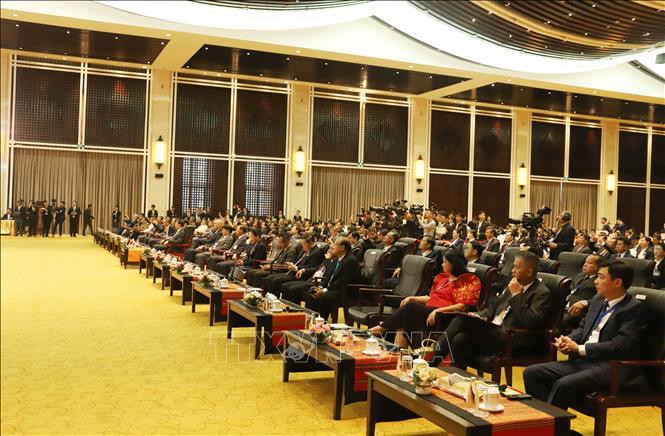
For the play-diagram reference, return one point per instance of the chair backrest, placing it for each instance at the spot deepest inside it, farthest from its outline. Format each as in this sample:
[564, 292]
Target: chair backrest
[548, 266]
[323, 246]
[490, 258]
[189, 234]
[441, 250]
[559, 286]
[412, 245]
[402, 250]
[297, 246]
[373, 268]
[571, 263]
[487, 275]
[415, 276]
[508, 261]
[654, 348]
[643, 269]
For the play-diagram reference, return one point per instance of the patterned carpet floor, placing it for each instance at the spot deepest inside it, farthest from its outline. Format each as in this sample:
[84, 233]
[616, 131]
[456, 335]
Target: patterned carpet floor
[91, 348]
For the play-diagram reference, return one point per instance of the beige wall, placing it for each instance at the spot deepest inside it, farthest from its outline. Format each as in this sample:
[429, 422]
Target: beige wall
[157, 189]
[297, 197]
[5, 77]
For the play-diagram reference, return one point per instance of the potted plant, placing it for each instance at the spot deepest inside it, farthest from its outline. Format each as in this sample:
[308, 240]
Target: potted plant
[180, 266]
[205, 279]
[320, 332]
[423, 378]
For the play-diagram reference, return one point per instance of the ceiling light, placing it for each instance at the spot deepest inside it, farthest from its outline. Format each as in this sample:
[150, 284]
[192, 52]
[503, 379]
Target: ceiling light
[570, 14]
[396, 72]
[68, 32]
[247, 53]
[297, 51]
[116, 37]
[295, 78]
[18, 25]
[586, 33]
[186, 66]
[261, 74]
[593, 5]
[549, 92]
[288, 58]
[632, 19]
[225, 71]
[510, 36]
[492, 84]
[430, 77]
[548, 22]
[205, 48]
[14, 15]
[410, 66]
[20, 48]
[473, 20]
[646, 34]
[325, 63]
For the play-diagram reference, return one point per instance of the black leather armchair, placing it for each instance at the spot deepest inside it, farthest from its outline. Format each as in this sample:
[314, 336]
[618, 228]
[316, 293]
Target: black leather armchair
[571, 263]
[643, 269]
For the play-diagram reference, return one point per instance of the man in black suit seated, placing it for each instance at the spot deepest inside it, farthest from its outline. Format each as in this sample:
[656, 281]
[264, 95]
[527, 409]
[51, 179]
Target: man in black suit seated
[658, 277]
[203, 243]
[392, 252]
[492, 244]
[298, 271]
[425, 249]
[582, 243]
[472, 252]
[222, 263]
[583, 290]
[205, 252]
[285, 253]
[256, 251]
[564, 237]
[613, 328]
[622, 249]
[177, 238]
[344, 269]
[525, 304]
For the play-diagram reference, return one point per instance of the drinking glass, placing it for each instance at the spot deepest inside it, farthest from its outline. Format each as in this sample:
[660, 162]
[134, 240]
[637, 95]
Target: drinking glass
[407, 367]
[481, 391]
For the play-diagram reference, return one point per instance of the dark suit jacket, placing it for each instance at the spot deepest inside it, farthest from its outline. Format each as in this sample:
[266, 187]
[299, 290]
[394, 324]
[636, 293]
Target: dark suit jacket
[649, 253]
[152, 213]
[622, 335]
[255, 253]
[179, 237]
[658, 279]
[436, 257]
[286, 255]
[564, 240]
[615, 256]
[392, 260]
[479, 228]
[583, 249]
[494, 245]
[458, 245]
[309, 263]
[347, 272]
[529, 310]
[582, 289]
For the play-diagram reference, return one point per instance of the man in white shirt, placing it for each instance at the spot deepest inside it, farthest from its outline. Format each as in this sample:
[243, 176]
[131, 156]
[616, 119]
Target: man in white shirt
[614, 328]
[428, 224]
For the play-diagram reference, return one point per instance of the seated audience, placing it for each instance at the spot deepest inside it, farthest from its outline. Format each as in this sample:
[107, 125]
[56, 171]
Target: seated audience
[343, 269]
[177, 238]
[658, 278]
[622, 249]
[583, 289]
[472, 251]
[582, 241]
[299, 270]
[613, 328]
[644, 249]
[283, 252]
[454, 289]
[525, 304]
[425, 249]
[492, 244]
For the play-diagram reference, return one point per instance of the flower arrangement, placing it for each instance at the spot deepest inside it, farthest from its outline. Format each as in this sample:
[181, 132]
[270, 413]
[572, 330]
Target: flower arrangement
[147, 252]
[423, 378]
[180, 266]
[159, 257]
[205, 279]
[321, 332]
[253, 298]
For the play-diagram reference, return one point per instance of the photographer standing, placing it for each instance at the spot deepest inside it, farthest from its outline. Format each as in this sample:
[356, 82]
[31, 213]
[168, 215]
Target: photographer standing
[428, 224]
[564, 237]
[410, 228]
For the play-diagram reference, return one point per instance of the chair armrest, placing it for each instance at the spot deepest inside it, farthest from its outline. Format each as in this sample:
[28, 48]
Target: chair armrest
[278, 267]
[375, 290]
[616, 364]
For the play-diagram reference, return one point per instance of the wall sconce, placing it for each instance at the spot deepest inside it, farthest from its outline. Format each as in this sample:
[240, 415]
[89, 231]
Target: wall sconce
[611, 182]
[159, 155]
[299, 164]
[521, 179]
[420, 169]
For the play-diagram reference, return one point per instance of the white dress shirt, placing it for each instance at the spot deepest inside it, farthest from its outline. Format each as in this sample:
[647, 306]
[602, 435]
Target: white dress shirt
[595, 334]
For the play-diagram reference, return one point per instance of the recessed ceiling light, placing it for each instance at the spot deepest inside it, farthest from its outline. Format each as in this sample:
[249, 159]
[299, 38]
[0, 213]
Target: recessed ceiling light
[430, 77]
[362, 68]
[14, 15]
[570, 14]
[581, 52]
[510, 36]
[548, 22]
[396, 72]
[549, 92]
[492, 84]
[108, 57]
[288, 58]
[20, 48]
[168, 34]
[261, 74]
[646, 34]
[116, 37]
[473, 20]
[247, 53]
[593, 5]
[325, 63]
[225, 71]
[68, 32]
[632, 19]
[410, 66]
[205, 48]
[18, 25]
[328, 82]
[297, 51]
[574, 96]
[586, 33]
[295, 78]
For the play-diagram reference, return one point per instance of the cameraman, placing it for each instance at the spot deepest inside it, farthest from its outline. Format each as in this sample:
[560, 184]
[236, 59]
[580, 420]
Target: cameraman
[565, 236]
[410, 226]
[428, 224]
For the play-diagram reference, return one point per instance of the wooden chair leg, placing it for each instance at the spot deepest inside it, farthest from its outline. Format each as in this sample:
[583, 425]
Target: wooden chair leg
[509, 375]
[600, 422]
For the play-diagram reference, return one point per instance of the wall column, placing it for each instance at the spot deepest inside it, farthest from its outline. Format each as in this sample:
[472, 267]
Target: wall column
[5, 104]
[609, 161]
[299, 188]
[521, 154]
[418, 145]
[157, 189]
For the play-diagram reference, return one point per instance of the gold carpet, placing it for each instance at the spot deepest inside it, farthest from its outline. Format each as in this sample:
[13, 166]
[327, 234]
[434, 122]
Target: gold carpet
[89, 348]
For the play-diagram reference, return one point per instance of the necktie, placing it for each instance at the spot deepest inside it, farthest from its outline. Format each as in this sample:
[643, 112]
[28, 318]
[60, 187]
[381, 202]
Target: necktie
[604, 311]
[333, 273]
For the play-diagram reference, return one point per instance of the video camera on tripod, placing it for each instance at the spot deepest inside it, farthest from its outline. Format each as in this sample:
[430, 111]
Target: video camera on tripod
[532, 223]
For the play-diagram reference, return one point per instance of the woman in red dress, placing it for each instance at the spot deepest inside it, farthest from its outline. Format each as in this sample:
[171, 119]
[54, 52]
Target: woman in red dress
[455, 289]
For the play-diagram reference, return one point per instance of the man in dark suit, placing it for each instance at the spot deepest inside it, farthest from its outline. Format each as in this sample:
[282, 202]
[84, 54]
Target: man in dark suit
[74, 213]
[152, 213]
[224, 243]
[525, 304]
[582, 241]
[620, 226]
[60, 213]
[223, 262]
[345, 269]
[19, 216]
[392, 253]
[205, 242]
[492, 244]
[47, 217]
[177, 238]
[604, 225]
[658, 277]
[287, 254]
[31, 218]
[256, 251]
[171, 212]
[582, 291]
[300, 270]
[613, 328]
[621, 249]
[481, 225]
[116, 219]
[87, 219]
[564, 237]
